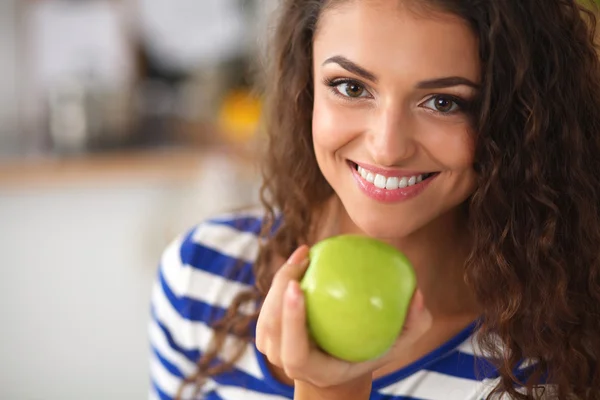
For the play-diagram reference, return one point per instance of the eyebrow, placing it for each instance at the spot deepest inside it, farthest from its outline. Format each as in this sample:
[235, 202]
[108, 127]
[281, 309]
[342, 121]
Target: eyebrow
[446, 82]
[437, 83]
[351, 66]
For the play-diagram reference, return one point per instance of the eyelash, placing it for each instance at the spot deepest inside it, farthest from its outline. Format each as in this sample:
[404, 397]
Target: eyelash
[333, 83]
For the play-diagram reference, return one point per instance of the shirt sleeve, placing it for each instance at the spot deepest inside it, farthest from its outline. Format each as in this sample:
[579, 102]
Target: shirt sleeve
[174, 338]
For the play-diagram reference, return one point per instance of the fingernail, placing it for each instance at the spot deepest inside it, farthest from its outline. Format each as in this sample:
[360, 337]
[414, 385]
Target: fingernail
[297, 256]
[293, 292]
[305, 264]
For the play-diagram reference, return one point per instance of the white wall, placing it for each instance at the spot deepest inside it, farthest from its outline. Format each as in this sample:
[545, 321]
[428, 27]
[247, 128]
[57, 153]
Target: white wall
[75, 280]
[77, 263]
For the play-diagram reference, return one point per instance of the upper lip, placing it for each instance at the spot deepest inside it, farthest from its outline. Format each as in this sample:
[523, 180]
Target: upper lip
[389, 172]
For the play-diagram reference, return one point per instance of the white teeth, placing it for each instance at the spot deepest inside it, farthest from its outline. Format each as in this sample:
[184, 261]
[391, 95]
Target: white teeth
[392, 183]
[380, 181]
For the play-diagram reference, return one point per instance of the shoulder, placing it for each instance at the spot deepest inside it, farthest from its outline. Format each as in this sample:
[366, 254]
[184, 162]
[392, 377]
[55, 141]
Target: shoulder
[213, 257]
[200, 273]
[217, 245]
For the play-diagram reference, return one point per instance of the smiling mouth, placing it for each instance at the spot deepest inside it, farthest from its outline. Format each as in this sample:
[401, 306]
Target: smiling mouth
[391, 182]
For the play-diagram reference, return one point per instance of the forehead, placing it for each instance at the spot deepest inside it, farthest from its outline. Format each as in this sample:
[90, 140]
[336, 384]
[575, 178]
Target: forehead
[386, 37]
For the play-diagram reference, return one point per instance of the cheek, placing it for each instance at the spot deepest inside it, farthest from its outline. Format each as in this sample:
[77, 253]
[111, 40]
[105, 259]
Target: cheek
[453, 147]
[458, 156]
[333, 126]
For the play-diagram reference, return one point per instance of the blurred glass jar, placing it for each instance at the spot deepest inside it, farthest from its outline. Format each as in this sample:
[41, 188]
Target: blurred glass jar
[239, 116]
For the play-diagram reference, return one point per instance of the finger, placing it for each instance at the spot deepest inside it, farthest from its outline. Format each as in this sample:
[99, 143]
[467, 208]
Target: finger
[270, 314]
[295, 345]
[261, 341]
[268, 326]
[298, 355]
[273, 353]
[294, 267]
[300, 358]
[271, 308]
[264, 347]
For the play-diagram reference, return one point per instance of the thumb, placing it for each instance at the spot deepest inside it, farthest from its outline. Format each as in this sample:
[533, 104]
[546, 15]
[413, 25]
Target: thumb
[418, 321]
[419, 318]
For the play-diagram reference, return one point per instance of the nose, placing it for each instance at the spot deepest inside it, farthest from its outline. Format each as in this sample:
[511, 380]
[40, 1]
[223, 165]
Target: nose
[391, 137]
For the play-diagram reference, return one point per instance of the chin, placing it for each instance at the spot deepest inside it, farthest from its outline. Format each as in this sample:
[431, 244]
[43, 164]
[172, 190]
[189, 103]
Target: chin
[385, 228]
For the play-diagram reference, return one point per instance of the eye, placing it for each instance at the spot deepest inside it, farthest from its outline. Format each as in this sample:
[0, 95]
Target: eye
[443, 104]
[351, 89]
[348, 88]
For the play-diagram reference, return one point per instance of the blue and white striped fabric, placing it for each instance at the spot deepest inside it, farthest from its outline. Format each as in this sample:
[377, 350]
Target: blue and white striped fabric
[200, 274]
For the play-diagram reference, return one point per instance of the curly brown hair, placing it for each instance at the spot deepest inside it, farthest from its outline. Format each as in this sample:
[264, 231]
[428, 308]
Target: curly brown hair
[535, 216]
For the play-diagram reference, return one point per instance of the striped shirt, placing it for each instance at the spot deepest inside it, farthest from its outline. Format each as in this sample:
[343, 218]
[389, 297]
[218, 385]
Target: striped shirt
[202, 271]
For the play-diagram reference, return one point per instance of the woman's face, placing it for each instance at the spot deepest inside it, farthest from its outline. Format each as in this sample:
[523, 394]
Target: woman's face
[390, 130]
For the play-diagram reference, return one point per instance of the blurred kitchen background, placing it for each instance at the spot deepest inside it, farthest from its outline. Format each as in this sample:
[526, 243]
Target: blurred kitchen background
[122, 124]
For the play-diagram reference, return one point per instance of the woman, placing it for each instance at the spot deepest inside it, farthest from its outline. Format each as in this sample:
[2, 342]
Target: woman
[464, 133]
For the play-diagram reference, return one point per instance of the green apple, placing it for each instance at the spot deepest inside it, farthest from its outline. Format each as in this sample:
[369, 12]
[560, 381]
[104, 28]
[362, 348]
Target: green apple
[357, 293]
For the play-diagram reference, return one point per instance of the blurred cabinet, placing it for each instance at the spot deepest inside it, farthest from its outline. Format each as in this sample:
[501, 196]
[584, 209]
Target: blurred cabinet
[9, 100]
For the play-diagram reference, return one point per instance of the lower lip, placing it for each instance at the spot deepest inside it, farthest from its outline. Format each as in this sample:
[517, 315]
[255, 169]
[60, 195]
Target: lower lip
[389, 196]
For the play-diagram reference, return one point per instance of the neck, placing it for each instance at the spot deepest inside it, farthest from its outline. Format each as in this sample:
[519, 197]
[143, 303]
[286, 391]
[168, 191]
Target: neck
[439, 252]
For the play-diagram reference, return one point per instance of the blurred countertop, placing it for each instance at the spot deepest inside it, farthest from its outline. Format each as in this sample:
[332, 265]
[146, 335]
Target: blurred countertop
[166, 164]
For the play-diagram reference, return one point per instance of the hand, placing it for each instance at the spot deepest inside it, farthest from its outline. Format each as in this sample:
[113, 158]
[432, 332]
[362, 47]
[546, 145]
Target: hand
[282, 336]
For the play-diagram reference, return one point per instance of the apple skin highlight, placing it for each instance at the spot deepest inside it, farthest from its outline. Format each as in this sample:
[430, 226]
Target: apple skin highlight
[357, 294]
